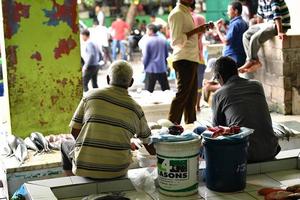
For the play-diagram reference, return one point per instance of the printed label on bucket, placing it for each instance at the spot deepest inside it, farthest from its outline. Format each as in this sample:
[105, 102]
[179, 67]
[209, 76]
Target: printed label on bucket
[176, 174]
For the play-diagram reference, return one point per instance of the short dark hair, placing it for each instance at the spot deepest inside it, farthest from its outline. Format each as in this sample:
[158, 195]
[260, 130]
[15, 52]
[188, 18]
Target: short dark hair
[119, 15]
[193, 5]
[226, 67]
[152, 27]
[237, 6]
[97, 3]
[85, 32]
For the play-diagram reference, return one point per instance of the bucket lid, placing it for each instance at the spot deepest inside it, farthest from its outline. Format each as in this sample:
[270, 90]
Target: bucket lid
[242, 135]
[191, 141]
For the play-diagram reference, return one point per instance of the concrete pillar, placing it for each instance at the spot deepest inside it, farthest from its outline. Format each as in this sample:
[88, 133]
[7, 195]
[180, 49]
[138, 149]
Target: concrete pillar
[280, 74]
[43, 64]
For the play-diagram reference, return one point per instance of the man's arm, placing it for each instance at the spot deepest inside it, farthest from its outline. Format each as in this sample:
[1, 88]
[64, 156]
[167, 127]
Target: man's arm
[77, 120]
[89, 55]
[150, 148]
[220, 34]
[277, 17]
[200, 29]
[146, 55]
[280, 32]
[219, 118]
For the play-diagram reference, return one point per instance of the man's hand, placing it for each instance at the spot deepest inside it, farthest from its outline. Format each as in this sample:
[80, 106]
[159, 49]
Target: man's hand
[205, 27]
[282, 36]
[84, 68]
[219, 24]
[200, 29]
[135, 144]
[259, 19]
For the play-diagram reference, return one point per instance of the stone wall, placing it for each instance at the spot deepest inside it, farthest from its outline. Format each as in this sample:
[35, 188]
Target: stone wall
[280, 74]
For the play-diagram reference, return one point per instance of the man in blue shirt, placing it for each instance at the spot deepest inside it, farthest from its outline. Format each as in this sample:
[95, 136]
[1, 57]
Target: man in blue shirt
[234, 37]
[155, 54]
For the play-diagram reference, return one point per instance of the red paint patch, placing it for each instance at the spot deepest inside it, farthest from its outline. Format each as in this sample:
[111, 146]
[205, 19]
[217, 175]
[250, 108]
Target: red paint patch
[54, 100]
[37, 56]
[43, 122]
[62, 82]
[12, 14]
[42, 103]
[64, 47]
[11, 55]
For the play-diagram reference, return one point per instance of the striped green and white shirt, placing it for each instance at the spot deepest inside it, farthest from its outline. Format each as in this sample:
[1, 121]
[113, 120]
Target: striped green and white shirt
[274, 9]
[108, 119]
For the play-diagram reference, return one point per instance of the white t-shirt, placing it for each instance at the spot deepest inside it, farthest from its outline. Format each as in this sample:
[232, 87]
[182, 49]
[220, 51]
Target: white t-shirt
[100, 36]
[100, 18]
[245, 14]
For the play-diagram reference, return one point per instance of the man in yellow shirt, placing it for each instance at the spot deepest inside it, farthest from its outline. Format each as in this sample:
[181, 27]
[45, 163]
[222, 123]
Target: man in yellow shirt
[103, 124]
[184, 41]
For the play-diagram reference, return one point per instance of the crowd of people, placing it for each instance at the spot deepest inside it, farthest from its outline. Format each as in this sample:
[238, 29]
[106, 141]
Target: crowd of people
[107, 118]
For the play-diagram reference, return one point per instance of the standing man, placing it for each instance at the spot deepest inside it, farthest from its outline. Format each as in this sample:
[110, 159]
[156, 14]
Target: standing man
[234, 36]
[100, 14]
[100, 36]
[154, 59]
[91, 57]
[242, 102]
[119, 29]
[184, 41]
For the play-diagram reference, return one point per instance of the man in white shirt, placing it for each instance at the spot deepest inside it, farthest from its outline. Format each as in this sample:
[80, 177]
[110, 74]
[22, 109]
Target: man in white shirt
[100, 36]
[184, 41]
[100, 14]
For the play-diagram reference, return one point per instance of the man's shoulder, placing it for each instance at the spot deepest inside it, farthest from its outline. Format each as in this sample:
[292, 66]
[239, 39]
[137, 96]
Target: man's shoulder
[176, 13]
[254, 82]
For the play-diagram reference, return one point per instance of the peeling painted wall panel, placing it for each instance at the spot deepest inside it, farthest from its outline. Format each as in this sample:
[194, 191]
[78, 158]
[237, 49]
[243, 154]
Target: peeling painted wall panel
[43, 64]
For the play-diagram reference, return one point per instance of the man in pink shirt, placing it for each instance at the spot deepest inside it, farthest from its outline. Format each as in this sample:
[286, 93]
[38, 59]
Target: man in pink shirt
[119, 29]
[199, 20]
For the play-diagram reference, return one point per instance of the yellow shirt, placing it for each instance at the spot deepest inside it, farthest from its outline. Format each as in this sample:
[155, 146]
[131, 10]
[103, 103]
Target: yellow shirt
[181, 22]
[108, 119]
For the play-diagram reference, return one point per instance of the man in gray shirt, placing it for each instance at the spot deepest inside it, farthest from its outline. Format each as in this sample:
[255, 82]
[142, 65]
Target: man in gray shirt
[242, 102]
[91, 57]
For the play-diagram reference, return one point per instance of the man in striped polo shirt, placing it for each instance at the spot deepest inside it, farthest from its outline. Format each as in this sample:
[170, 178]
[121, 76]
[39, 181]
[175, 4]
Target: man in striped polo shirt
[276, 18]
[103, 124]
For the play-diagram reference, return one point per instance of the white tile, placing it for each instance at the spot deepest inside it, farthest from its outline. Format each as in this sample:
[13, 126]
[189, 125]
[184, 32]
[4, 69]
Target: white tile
[256, 196]
[256, 182]
[53, 182]
[285, 175]
[115, 185]
[36, 192]
[286, 178]
[81, 180]
[292, 153]
[72, 191]
[137, 195]
[253, 168]
[237, 196]
[159, 196]
[205, 192]
[278, 165]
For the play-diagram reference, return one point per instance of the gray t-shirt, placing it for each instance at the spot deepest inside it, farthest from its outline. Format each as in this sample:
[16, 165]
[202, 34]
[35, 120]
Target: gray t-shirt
[242, 102]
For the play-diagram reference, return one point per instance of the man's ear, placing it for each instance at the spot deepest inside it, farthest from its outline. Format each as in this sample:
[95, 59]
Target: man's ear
[107, 79]
[131, 82]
